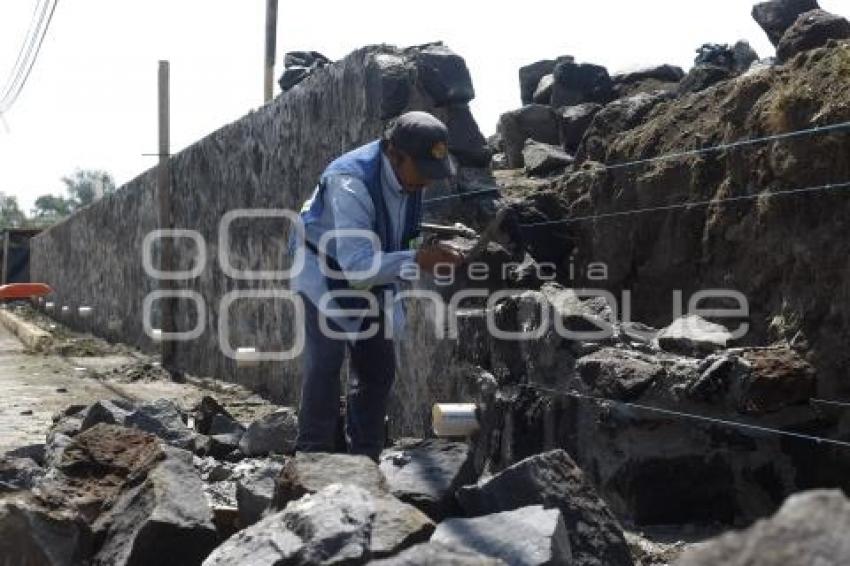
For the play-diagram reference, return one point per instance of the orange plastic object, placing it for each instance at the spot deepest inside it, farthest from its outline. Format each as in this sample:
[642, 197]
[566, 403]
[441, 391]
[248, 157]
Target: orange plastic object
[24, 290]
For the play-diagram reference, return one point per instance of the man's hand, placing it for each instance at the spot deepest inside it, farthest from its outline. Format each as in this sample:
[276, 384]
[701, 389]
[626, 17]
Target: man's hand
[428, 257]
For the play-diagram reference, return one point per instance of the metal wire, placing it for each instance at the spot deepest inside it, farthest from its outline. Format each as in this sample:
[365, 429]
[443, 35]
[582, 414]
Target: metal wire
[691, 416]
[829, 402]
[462, 195]
[818, 188]
[830, 128]
[732, 145]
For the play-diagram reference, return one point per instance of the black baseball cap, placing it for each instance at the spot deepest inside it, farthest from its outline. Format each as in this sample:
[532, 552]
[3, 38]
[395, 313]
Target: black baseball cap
[424, 138]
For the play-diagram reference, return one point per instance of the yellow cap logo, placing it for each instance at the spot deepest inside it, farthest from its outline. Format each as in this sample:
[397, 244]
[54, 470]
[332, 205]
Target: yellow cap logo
[439, 150]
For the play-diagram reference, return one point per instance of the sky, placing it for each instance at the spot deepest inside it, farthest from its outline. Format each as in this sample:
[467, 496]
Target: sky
[91, 101]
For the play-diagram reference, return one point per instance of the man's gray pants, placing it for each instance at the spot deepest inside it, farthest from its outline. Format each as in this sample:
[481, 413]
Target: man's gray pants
[371, 376]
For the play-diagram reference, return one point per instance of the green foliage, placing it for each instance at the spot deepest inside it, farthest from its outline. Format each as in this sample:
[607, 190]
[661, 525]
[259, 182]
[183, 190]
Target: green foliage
[82, 188]
[88, 185]
[51, 207]
[11, 215]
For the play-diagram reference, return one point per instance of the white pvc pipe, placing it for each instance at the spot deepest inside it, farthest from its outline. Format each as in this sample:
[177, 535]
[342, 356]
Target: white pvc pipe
[84, 312]
[454, 419]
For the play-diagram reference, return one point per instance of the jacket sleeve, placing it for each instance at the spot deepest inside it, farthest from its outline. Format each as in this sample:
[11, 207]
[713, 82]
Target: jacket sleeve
[353, 210]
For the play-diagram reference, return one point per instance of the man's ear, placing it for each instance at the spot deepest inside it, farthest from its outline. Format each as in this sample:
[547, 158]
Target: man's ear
[395, 155]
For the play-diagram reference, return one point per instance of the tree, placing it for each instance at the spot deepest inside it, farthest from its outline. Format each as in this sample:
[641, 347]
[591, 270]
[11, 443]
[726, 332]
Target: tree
[11, 215]
[51, 207]
[82, 188]
[87, 185]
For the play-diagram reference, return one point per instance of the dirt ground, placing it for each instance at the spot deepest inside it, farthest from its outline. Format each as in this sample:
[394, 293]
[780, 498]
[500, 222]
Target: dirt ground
[81, 369]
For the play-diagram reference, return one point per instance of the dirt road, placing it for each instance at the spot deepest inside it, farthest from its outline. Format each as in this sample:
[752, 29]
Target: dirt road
[34, 386]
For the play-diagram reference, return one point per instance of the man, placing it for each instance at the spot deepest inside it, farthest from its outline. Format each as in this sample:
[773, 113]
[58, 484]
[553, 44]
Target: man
[375, 189]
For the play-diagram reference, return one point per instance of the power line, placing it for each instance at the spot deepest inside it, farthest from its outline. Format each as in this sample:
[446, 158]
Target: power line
[11, 96]
[23, 82]
[26, 45]
[690, 204]
[691, 416]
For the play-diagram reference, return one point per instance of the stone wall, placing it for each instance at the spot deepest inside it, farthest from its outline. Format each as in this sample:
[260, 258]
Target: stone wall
[269, 159]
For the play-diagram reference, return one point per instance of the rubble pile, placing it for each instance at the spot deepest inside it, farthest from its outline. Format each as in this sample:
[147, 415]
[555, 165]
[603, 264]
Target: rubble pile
[120, 483]
[562, 97]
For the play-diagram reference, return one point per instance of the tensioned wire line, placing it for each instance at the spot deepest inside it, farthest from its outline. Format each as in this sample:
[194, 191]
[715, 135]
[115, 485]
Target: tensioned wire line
[690, 204]
[830, 128]
[731, 145]
[691, 416]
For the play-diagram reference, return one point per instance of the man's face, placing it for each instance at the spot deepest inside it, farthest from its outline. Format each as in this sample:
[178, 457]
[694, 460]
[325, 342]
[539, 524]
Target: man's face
[406, 172]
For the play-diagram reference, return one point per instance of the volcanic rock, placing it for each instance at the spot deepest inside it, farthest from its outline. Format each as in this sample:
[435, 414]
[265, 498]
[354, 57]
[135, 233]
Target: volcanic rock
[530, 76]
[811, 30]
[692, 335]
[310, 472]
[255, 490]
[35, 536]
[615, 119]
[443, 75]
[618, 374]
[439, 554]
[466, 143]
[304, 59]
[579, 83]
[776, 379]
[332, 526]
[18, 474]
[534, 121]
[426, 473]
[776, 16]
[396, 526]
[273, 433]
[107, 412]
[212, 418]
[541, 158]
[35, 452]
[743, 56]
[528, 535]
[164, 520]
[573, 122]
[299, 65]
[543, 92]
[810, 528]
[553, 480]
[96, 467]
[164, 419]
[661, 73]
[702, 77]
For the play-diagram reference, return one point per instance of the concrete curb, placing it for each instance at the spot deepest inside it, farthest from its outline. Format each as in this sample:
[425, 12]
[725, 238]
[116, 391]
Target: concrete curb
[30, 335]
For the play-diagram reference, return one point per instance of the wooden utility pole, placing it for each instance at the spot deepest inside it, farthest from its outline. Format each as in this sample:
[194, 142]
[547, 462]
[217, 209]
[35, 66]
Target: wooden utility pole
[271, 48]
[163, 191]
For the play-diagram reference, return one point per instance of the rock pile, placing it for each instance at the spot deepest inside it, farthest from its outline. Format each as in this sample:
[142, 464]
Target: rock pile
[125, 490]
[561, 97]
